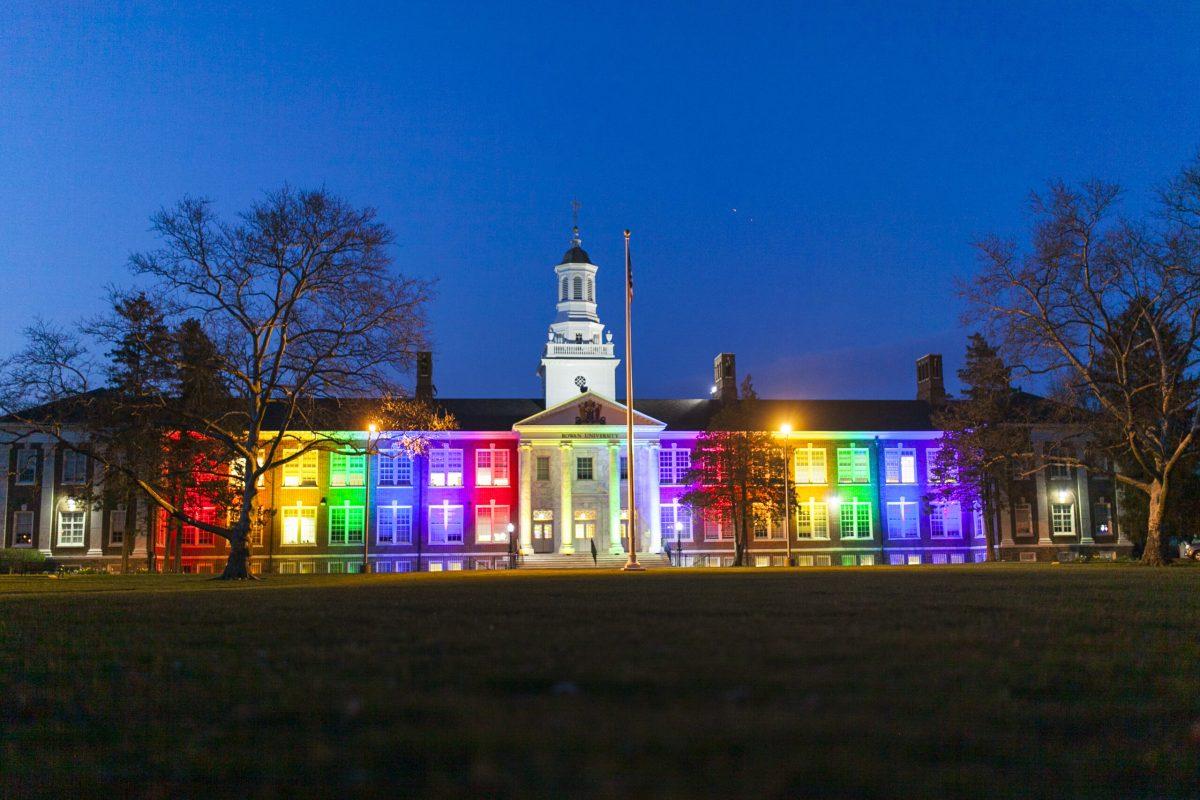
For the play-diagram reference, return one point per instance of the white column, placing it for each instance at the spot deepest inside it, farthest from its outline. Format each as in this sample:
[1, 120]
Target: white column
[566, 489]
[46, 523]
[524, 457]
[614, 499]
[5, 453]
[655, 500]
[1043, 498]
[135, 526]
[95, 533]
[1083, 501]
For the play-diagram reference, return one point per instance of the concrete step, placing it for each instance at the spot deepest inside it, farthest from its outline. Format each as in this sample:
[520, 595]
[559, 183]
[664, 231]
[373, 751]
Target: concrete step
[584, 561]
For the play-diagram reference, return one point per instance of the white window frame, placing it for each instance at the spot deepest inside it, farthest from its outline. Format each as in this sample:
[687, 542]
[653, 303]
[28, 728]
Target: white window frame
[393, 524]
[717, 528]
[196, 537]
[443, 528]
[945, 520]
[343, 517]
[674, 463]
[539, 474]
[347, 470]
[669, 514]
[394, 468]
[305, 532]
[491, 523]
[77, 527]
[491, 466]
[812, 519]
[931, 460]
[858, 463]
[78, 464]
[19, 516]
[1057, 516]
[300, 473]
[1023, 512]
[445, 467]
[27, 459]
[591, 468]
[811, 465]
[908, 516]
[900, 465]
[854, 504]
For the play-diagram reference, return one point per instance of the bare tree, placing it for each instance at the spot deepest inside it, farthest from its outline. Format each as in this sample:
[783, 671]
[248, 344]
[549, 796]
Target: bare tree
[1109, 308]
[301, 305]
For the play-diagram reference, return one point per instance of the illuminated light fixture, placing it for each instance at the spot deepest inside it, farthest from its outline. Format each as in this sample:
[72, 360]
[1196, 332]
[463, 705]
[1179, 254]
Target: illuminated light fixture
[510, 526]
[324, 501]
[1063, 496]
[712, 389]
[833, 501]
[372, 427]
[786, 429]
[70, 504]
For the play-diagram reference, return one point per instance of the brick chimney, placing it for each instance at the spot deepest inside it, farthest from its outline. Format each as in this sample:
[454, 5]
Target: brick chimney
[725, 378]
[425, 388]
[930, 386]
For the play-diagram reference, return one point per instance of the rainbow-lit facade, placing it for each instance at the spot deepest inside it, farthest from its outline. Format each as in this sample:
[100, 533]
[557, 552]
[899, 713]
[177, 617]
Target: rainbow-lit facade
[543, 482]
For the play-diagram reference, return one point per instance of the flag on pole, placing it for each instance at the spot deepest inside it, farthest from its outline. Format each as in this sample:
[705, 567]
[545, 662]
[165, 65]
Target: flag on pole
[628, 269]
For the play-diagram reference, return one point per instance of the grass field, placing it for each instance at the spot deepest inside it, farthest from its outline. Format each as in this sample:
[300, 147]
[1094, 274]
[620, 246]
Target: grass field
[983, 681]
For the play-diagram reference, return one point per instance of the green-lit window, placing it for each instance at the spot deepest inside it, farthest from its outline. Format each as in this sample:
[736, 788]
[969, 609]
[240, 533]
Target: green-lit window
[345, 524]
[347, 469]
[855, 519]
[854, 465]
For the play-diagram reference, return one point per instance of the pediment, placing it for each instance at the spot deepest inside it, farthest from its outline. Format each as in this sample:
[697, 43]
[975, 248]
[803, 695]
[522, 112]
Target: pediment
[589, 410]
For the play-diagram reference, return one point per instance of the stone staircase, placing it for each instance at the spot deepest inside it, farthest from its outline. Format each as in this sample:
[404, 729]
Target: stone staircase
[584, 561]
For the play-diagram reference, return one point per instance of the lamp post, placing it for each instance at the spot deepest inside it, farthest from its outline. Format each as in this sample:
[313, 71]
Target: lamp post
[371, 429]
[678, 535]
[786, 431]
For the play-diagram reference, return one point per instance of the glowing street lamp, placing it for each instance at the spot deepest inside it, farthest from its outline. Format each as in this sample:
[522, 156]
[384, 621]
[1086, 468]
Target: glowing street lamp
[678, 537]
[512, 546]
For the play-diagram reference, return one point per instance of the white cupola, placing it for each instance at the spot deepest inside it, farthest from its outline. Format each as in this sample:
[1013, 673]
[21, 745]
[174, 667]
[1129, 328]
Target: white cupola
[578, 356]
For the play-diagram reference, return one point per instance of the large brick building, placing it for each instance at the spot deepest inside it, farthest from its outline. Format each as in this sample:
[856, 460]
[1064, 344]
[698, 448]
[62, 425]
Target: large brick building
[538, 481]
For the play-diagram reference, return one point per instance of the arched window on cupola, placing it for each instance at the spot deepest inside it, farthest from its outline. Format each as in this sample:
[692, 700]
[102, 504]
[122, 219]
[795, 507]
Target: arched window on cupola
[563, 293]
[577, 286]
[591, 292]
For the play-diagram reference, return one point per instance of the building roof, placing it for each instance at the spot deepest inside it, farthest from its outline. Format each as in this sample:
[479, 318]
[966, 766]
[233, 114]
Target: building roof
[576, 255]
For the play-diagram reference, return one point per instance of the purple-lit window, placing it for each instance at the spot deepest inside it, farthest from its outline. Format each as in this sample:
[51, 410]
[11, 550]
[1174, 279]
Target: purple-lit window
[902, 519]
[945, 520]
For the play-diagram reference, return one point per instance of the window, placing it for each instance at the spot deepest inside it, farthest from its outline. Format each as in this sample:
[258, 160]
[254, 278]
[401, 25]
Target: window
[1062, 519]
[902, 520]
[759, 527]
[491, 524]
[977, 519]
[717, 527]
[562, 295]
[70, 529]
[393, 525]
[74, 467]
[1102, 517]
[584, 468]
[673, 465]
[23, 529]
[854, 465]
[577, 288]
[346, 524]
[624, 460]
[1023, 519]
[299, 525]
[491, 467]
[395, 470]
[945, 520]
[116, 526]
[669, 514]
[542, 468]
[810, 465]
[445, 467]
[1057, 471]
[812, 519]
[854, 518]
[197, 536]
[335, 567]
[900, 465]
[591, 294]
[300, 471]
[27, 465]
[347, 469]
[445, 524]
[938, 470]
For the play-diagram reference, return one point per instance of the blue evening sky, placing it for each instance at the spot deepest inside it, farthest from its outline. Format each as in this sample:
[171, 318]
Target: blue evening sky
[804, 181]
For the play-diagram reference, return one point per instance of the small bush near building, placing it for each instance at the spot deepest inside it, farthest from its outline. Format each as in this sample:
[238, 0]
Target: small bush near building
[19, 561]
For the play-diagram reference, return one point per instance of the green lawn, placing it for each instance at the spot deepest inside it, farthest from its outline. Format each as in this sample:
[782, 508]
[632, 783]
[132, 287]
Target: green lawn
[984, 681]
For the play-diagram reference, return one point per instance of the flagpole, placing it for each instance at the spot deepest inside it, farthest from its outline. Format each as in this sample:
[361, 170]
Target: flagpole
[631, 564]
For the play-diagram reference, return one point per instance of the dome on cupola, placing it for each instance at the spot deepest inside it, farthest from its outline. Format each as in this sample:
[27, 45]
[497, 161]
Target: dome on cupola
[576, 255]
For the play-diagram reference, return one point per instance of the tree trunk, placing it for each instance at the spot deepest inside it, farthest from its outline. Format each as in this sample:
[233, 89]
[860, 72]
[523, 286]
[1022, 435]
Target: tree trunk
[151, 536]
[1153, 552]
[991, 497]
[237, 566]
